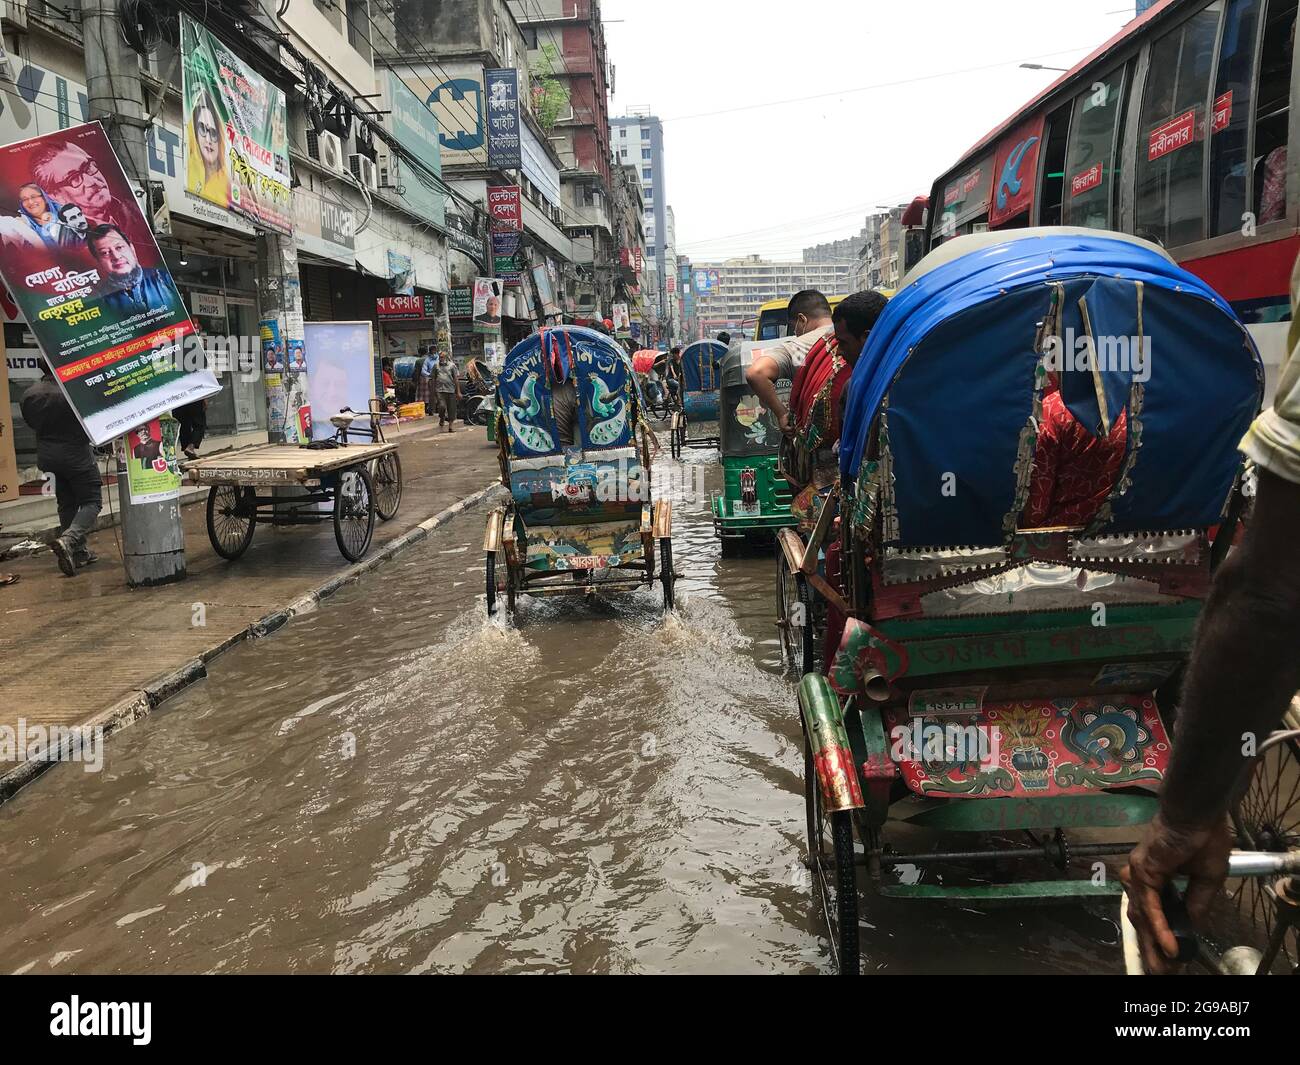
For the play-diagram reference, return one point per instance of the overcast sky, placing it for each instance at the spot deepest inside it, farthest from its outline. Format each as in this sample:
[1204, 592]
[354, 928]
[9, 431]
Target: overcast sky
[735, 181]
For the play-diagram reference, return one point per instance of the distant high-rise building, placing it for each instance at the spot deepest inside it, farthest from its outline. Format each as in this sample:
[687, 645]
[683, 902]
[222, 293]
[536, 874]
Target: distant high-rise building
[637, 139]
[727, 293]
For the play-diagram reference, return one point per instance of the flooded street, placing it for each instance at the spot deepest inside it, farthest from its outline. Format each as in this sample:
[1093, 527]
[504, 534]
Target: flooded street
[394, 783]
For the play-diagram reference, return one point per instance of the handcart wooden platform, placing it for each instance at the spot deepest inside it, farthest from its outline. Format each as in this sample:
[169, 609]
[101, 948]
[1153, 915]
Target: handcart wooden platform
[358, 481]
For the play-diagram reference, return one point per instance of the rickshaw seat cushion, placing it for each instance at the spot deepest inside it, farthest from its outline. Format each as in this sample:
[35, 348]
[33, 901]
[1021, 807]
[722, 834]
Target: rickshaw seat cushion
[579, 487]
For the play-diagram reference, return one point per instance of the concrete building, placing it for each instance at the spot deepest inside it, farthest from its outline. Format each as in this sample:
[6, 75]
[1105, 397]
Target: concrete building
[745, 284]
[568, 63]
[637, 139]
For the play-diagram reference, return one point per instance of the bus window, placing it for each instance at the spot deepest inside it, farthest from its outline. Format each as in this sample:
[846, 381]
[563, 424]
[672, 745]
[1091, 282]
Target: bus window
[1054, 136]
[1230, 169]
[1090, 157]
[1273, 111]
[1170, 157]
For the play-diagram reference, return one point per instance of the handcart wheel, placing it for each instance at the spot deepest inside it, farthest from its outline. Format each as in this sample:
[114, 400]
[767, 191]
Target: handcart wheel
[666, 575]
[490, 575]
[830, 854]
[232, 517]
[794, 610]
[388, 485]
[354, 512]
[1265, 818]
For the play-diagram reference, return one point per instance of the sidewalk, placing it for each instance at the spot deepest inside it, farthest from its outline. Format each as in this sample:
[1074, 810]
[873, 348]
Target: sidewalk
[89, 650]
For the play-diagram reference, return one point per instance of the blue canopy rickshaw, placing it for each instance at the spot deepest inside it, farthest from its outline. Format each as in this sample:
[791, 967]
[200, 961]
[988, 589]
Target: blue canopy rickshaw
[580, 512]
[696, 424]
[1061, 646]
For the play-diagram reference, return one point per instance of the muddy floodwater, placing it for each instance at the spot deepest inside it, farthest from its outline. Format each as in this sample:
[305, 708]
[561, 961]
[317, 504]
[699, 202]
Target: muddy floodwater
[394, 783]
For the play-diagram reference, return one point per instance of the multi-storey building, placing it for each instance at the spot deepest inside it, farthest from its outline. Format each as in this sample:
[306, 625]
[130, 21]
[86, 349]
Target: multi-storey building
[637, 139]
[744, 284]
[568, 63]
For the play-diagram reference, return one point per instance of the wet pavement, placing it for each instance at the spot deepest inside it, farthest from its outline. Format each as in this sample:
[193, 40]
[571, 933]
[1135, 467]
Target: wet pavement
[395, 783]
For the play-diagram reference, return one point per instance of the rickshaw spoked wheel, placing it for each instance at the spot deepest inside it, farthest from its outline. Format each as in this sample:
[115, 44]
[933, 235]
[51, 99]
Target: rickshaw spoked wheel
[833, 868]
[794, 608]
[1267, 818]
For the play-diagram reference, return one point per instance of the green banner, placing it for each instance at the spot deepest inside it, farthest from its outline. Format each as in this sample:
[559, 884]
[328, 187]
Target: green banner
[236, 152]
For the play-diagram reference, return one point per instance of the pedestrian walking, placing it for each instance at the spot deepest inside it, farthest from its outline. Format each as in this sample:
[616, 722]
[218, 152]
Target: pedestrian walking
[193, 418]
[448, 382]
[424, 377]
[63, 450]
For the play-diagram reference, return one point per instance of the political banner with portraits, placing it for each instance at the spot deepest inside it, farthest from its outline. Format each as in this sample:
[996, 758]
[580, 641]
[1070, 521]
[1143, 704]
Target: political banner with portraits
[81, 262]
[236, 145]
[487, 304]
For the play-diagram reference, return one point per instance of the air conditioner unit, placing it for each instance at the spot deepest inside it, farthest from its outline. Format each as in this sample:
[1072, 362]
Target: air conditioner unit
[390, 171]
[331, 152]
[364, 170]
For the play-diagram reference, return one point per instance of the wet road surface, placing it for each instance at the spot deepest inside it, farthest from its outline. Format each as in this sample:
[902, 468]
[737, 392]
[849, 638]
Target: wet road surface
[394, 783]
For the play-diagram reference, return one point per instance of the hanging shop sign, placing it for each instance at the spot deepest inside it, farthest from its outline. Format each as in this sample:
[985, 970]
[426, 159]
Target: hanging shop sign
[86, 273]
[460, 302]
[409, 308]
[462, 236]
[504, 207]
[503, 126]
[505, 255]
[236, 147]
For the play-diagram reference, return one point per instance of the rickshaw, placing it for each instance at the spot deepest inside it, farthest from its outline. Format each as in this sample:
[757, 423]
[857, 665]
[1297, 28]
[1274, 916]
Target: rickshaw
[755, 497]
[695, 423]
[986, 678]
[644, 362]
[581, 517]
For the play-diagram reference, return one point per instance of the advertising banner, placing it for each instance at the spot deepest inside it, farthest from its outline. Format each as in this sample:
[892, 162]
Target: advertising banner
[503, 134]
[545, 290]
[416, 129]
[487, 304]
[82, 265]
[153, 473]
[401, 272]
[236, 149]
[342, 371]
[1016, 167]
[504, 208]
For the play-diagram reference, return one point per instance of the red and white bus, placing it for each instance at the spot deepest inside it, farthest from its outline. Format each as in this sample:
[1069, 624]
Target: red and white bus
[1181, 129]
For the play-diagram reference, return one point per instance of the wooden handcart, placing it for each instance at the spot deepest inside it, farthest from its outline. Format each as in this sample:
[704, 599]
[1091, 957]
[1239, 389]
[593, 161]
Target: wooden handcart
[358, 481]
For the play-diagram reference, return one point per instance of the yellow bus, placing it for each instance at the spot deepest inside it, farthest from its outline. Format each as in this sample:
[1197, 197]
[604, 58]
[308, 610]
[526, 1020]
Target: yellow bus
[772, 320]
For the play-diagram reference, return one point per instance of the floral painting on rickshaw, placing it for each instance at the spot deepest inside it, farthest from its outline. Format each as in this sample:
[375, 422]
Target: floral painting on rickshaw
[1034, 748]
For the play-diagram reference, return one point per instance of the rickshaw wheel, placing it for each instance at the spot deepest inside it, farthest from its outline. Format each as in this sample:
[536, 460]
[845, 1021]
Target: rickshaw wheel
[229, 528]
[1267, 818]
[490, 574]
[797, 639]
[388, 485]
[354, 512]
[834, 873]
[666, 575]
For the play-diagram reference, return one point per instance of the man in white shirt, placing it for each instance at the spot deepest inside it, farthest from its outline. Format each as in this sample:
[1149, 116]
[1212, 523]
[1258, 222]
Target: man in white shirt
[809, 317]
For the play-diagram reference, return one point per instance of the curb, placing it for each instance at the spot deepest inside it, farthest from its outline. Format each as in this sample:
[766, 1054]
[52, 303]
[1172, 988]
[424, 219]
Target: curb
[155, 691]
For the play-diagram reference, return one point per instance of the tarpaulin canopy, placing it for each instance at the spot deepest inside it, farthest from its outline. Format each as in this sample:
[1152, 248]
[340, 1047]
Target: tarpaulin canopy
[702, 365]
[643, 361]
[952, 364]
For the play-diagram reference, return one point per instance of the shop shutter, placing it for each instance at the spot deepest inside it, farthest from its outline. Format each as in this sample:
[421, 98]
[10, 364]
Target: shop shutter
[317, 301]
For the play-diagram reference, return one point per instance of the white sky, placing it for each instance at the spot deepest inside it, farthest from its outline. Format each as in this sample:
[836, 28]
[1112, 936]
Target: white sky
[736, 182]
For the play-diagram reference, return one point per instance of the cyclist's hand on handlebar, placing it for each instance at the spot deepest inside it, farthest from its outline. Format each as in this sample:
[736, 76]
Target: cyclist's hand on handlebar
[1164, 851]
